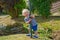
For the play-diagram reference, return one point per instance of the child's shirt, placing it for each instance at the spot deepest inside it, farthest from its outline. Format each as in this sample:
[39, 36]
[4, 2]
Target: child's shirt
[33, 21]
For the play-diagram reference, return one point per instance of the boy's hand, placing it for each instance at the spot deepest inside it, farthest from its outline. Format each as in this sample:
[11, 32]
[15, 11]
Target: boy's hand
[32, 16]
[29, 21]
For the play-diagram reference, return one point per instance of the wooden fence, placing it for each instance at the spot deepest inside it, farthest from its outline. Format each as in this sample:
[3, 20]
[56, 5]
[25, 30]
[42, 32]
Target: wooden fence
[55, 6]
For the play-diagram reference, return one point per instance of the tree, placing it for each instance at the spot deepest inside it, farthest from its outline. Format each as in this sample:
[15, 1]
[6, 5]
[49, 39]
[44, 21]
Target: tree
[10, 7]
[42, 6]
[19, 6]
[14, 7]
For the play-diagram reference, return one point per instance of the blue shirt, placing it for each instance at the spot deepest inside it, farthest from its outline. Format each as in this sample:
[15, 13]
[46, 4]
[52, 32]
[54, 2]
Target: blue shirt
[33, 21]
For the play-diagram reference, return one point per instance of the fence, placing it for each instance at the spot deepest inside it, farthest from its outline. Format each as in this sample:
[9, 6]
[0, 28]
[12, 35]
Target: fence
[55, 7]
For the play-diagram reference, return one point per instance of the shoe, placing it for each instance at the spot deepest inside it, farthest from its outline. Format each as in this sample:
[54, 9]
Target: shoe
[28, 35]
[35, 36]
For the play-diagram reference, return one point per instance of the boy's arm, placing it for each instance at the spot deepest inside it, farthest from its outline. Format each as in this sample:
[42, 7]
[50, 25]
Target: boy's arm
[28, 21]
[32, 16]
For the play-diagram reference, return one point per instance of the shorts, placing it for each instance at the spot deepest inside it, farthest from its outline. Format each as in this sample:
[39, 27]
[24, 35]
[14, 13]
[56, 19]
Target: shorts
[34, 28]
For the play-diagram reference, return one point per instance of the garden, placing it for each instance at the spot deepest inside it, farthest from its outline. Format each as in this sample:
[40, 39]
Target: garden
[13, 27]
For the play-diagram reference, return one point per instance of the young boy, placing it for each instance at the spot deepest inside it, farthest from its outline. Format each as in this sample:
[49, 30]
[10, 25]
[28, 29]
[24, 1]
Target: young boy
[29, 20]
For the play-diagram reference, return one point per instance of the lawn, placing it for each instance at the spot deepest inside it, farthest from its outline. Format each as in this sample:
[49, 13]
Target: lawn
[16, 37]
[21, 37]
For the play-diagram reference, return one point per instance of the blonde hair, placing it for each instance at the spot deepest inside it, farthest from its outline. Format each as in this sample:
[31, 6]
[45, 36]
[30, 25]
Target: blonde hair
[25, 10]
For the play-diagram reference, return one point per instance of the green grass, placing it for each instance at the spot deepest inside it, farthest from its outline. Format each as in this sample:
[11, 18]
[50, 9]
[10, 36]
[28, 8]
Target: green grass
[21, 37]
[53, 24]
[12, 37]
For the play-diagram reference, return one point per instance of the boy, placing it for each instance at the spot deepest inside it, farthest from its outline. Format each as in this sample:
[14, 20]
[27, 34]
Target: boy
[29, 20]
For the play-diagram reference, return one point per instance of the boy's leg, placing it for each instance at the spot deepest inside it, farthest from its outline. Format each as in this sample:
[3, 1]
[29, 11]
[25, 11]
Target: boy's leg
[29, 31]
[36, 34]
[35, 31]
[29, 34]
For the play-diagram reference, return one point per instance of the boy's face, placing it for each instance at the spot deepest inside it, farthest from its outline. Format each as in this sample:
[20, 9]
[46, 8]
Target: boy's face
[25, 14]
